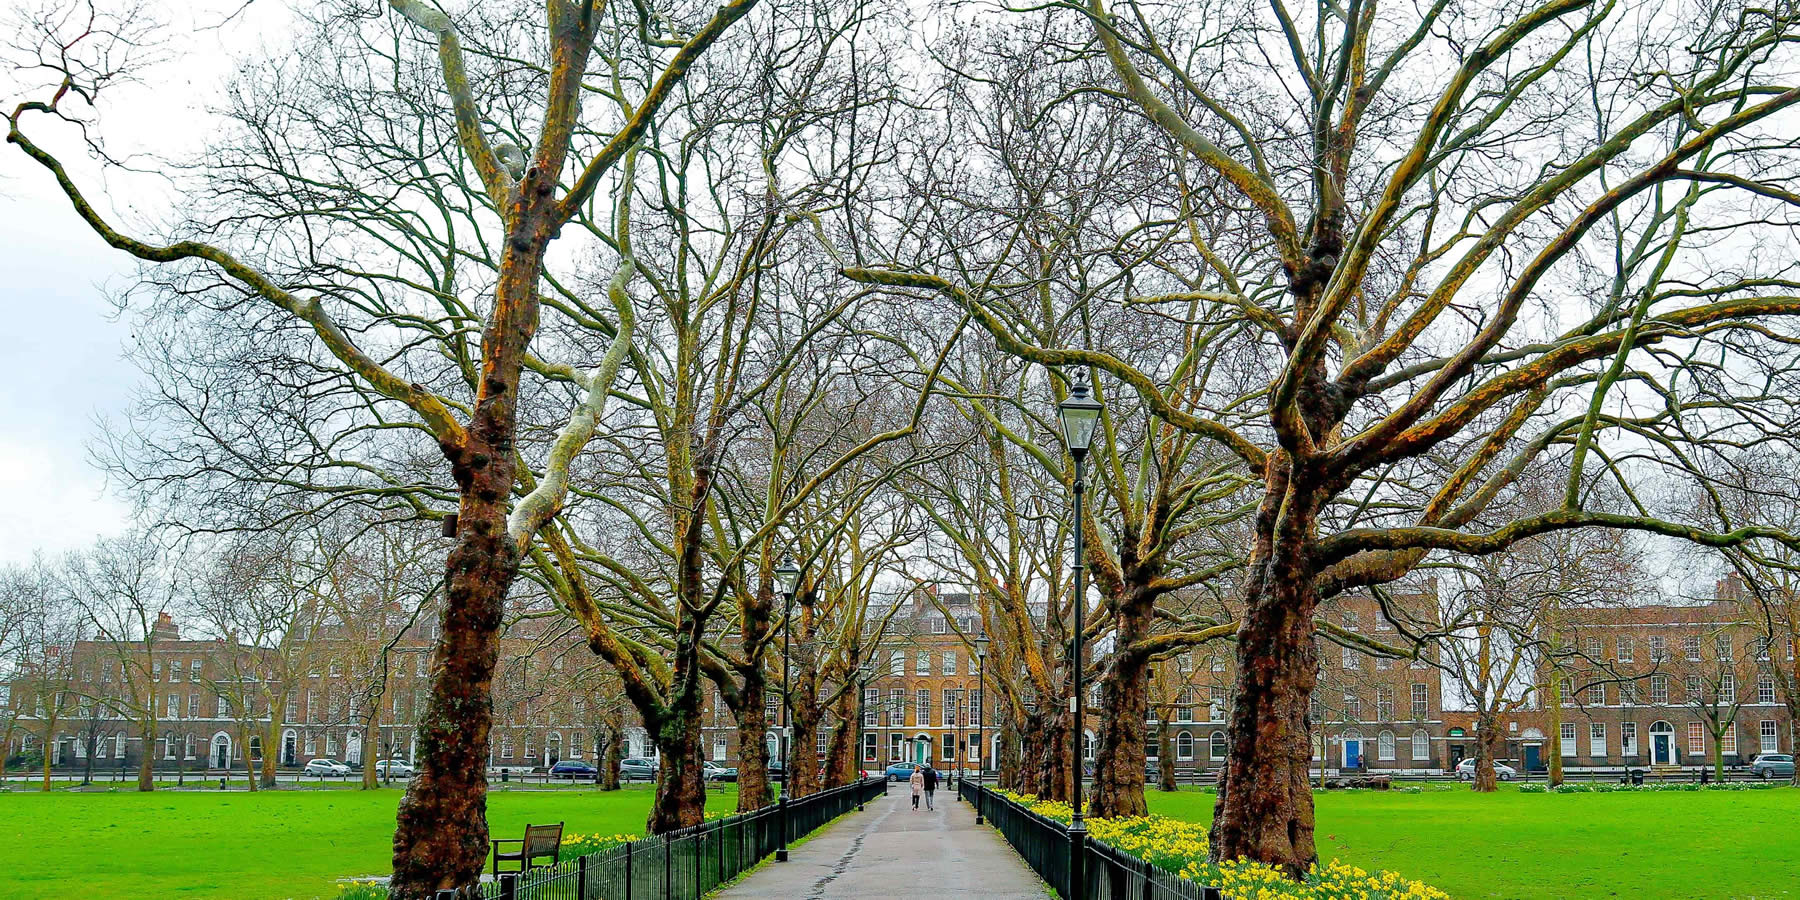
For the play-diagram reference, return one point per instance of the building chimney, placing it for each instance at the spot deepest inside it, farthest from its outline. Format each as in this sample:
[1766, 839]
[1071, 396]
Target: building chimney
[1731, 587]
[165, 628]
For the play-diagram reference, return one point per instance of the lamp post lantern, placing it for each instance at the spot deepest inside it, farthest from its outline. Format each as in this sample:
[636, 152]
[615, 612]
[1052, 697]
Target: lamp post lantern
[980, 712]
[788, 576]
[1080, 412]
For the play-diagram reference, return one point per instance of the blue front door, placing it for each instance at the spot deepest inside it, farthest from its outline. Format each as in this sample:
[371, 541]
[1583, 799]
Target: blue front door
[1532, 760]
[1353, 754]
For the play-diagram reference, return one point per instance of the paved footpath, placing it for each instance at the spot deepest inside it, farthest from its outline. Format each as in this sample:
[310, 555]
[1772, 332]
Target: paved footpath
[889, 850]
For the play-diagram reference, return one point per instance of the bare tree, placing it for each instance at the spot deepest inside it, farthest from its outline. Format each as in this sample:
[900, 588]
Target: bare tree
[1757, 485]
[527, 185]
[1408, 325]
[45, 628]
[127, 590]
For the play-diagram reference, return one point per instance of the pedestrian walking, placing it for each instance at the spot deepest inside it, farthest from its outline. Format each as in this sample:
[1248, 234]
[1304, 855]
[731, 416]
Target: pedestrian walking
[931, 780]
[918, 785]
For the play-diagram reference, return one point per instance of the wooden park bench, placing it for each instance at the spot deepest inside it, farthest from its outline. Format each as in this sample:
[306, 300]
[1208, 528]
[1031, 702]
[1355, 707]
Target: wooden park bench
[539, 841]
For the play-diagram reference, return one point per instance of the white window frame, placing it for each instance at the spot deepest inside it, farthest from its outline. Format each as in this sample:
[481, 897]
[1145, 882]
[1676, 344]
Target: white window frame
[1627, 649]
[1765, 689]
[1384, 744]
[1566, 740]
[1597, 739]
[1769, 736]
[1421, 745]
[1628, 745]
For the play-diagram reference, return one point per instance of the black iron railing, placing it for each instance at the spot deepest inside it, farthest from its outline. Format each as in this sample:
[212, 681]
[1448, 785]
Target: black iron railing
[1111, 874]
[685, 864]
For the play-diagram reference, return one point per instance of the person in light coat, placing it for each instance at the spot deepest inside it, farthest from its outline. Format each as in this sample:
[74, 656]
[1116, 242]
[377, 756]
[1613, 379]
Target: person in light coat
[918, 786]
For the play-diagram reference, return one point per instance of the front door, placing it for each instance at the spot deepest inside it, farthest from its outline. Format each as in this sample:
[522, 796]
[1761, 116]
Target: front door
[921, 751]
[1662, 749]
[221, 753]
[1352, 754]
[1533, 757]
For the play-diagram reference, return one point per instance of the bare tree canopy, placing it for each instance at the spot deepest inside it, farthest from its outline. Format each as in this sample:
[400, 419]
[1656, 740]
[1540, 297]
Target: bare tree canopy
[644, 297]
[1414, 252]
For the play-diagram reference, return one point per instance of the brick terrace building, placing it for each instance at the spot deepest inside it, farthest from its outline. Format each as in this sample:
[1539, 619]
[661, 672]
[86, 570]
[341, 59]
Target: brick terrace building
[1637, 681]
[922, 704]
[541, 715]
[1371, 713]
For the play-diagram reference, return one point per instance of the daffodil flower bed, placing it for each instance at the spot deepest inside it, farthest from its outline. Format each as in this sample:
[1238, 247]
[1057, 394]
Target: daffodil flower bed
[582, 844]
[1180, 847]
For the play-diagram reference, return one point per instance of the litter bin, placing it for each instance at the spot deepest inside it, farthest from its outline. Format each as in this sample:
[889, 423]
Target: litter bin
[1637, 777]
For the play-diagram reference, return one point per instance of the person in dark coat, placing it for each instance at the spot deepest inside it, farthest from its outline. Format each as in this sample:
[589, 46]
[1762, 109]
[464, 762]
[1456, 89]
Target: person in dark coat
[931, 780]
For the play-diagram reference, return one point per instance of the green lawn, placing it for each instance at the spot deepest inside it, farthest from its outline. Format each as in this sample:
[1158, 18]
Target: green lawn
[269, 845]
[296, 844]
[1711, 844]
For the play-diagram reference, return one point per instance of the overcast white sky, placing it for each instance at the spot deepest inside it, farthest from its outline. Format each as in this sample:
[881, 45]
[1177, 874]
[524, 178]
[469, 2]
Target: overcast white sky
[61, 360]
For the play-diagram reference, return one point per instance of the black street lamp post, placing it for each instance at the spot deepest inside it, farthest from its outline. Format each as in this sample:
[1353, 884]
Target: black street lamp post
[1080, 412]
[865, 673]
[788, 576]
[979, 709]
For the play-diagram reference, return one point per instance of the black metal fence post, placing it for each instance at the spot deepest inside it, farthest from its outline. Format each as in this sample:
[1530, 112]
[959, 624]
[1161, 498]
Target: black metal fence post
[628, 869]
[1077, 864]
[781, 853]
[581, 878]
[509, 886]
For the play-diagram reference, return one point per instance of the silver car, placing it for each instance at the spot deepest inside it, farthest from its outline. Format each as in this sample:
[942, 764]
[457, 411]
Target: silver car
[324, 766]
[1770, 766]
[393, 768]
[1465, 770]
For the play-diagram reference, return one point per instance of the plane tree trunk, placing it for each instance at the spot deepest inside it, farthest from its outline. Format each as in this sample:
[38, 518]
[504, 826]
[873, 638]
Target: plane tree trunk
[1124, 695]
[1265, 812]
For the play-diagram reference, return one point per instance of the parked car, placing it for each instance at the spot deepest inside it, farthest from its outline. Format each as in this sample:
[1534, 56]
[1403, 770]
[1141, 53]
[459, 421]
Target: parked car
[573, 768]
[716, 772]
[901, 771]
[393, 768]
[1465, 770]
[325, 767]
[1773, 765]
[510, 769]
[635, 767]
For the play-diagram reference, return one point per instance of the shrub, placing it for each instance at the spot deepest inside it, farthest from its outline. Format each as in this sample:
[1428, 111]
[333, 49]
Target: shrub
[1181, 847]
[1606, 787]
[363, 890]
